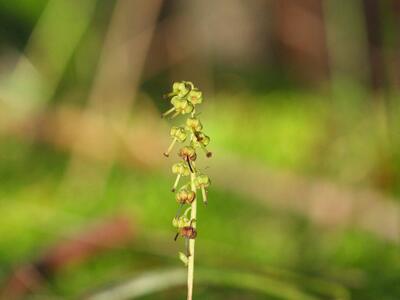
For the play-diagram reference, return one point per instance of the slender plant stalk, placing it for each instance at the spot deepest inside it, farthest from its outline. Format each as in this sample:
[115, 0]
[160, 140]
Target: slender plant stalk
[184, 99]
[193, 215]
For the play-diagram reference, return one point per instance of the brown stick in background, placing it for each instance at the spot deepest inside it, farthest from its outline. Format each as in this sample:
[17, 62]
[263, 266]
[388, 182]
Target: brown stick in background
[105, 235]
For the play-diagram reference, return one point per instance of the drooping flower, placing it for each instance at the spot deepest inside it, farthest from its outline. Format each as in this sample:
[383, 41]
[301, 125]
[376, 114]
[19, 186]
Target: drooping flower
[180, 169]
[202, 182]
[178, 134]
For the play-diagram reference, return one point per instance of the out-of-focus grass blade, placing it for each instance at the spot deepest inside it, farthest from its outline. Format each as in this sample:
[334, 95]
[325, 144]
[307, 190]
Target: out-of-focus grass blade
[51, 44]
[159, 280]
[144, 284]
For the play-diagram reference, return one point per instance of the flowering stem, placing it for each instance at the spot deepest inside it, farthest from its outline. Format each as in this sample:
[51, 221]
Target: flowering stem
[193, 212]
[184, 99]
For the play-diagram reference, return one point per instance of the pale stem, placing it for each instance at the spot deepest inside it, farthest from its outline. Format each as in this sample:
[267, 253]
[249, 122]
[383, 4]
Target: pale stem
[187, 210]
[204, 193]
[179, 210]
[166, 153]
[168, 112]
[193, 212]
[208, 153]
[169, 95]
[176, 182]
[175, 114]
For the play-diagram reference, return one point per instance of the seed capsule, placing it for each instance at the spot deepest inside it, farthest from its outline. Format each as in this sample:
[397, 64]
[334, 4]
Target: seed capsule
[188, 232]
[187, 152]
[185, 196]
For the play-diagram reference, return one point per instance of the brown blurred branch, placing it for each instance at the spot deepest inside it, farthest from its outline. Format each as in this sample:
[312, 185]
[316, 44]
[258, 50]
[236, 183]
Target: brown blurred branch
[100, 237]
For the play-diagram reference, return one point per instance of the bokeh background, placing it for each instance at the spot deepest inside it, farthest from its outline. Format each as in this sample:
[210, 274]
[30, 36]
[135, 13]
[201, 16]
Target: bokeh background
[302, 103]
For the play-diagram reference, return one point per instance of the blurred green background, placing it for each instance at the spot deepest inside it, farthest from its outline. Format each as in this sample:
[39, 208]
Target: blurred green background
[302, 103]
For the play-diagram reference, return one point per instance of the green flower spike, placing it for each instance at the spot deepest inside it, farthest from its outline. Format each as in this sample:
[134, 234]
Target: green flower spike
[202, 182]
[178, 134]
[185, 98]
[180, 169]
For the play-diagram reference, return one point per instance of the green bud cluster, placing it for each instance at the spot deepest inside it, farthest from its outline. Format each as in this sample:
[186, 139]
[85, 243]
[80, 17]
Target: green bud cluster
[184, 98]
